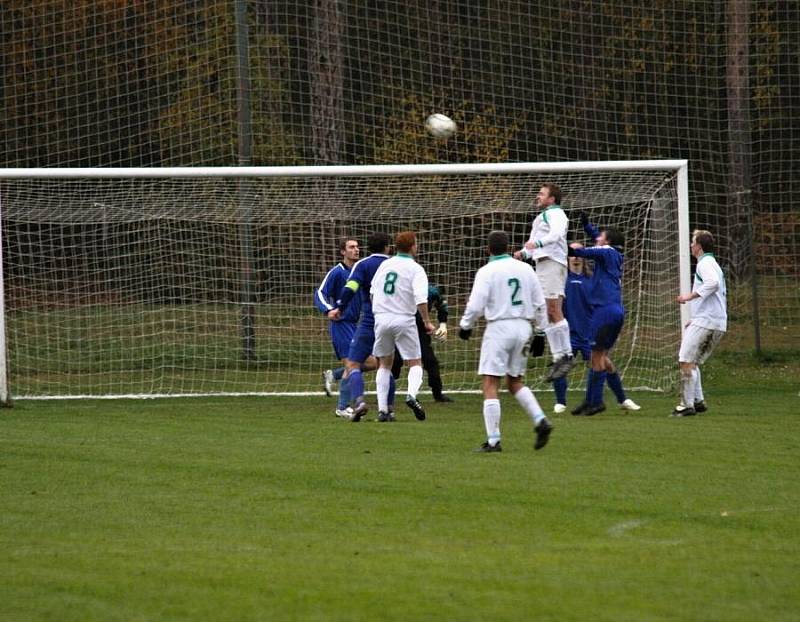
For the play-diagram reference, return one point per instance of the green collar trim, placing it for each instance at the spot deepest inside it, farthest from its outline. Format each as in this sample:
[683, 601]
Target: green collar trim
[496, 257]
[406, 255]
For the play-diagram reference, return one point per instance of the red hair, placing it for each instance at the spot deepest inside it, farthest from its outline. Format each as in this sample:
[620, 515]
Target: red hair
[405, 241]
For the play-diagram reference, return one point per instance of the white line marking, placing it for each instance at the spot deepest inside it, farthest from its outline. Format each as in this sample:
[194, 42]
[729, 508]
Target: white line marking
[621, 529]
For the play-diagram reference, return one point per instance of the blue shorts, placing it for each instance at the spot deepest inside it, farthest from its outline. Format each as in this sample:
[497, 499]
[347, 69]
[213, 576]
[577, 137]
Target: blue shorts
[341, 334]
[361, 344]
[582, 347]
[606, 325]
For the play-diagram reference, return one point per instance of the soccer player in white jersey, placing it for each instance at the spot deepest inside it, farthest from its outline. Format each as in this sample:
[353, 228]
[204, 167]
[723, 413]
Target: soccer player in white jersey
[708, 323]
[399, 291]
[507, 293]
[547, 246]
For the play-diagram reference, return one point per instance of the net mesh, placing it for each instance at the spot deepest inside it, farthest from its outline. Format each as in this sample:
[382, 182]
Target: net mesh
[156, 83]
[140, 286]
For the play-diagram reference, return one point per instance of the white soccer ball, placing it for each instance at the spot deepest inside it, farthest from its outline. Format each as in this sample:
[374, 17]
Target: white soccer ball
[440, 125]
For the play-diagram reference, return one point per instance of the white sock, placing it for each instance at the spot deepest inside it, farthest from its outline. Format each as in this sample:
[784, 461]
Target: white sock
[414, 380]
[558, 339]
[530, 404]
[698, 387]
[688, 382]
[382, 381]
[491, 418]
[565, 344]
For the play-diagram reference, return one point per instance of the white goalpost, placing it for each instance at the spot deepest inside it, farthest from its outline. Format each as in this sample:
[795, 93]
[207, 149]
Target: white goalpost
[150, 282]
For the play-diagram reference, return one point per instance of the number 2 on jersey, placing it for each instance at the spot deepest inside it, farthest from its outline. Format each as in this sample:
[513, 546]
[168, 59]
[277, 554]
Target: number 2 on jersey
[388, 284]
[514, 285]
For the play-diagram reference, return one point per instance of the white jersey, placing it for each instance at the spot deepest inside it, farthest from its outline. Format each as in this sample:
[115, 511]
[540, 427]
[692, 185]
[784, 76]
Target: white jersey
[549, 235]
[399, 285]
[710, 310]
[505, 289]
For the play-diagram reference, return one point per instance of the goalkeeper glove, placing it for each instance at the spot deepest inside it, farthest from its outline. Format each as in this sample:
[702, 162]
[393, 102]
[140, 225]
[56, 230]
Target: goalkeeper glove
[441, 332]
[464, 333]
[584, 218]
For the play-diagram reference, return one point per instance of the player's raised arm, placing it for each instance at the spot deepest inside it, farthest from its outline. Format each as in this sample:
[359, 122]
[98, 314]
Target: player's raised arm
[589, 228]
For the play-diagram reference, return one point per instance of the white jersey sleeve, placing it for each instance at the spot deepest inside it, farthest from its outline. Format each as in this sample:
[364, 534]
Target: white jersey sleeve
[476, 304]
[539, 304]
[419, 286]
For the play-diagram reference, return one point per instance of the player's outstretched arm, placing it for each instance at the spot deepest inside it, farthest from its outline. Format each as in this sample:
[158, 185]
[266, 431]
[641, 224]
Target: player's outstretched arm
[590, 229]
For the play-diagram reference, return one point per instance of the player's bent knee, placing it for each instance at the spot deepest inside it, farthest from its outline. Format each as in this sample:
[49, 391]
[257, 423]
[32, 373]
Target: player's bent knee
[514, 384]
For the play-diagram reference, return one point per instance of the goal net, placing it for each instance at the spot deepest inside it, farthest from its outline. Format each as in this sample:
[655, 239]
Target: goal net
[149, 282]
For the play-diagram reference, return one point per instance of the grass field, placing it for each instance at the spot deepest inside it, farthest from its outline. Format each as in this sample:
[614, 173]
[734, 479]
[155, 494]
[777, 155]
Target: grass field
[272, 509]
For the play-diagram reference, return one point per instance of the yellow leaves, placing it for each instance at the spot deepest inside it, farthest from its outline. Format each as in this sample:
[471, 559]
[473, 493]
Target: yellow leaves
[482, 136]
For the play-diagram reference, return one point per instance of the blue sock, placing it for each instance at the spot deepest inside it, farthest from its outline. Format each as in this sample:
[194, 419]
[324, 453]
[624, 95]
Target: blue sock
[615, 384]
[356, 384]
[338, 373]
[597, 388]
[560, 388]
[344, 394]
[392, 388]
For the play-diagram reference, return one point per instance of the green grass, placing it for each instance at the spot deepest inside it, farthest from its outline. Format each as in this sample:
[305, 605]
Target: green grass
[272, 509]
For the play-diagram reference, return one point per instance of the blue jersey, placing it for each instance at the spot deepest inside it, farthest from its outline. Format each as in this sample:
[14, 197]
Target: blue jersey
[578, 309]
[358, 285]
[326, 294]
[606, 281]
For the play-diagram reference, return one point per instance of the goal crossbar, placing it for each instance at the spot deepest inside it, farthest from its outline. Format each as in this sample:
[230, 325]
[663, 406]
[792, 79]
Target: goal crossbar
[495, 168]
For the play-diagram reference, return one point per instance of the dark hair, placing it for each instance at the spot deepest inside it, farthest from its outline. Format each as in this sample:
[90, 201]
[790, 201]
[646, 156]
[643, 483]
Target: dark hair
[343, 243]
[498, 242]
[378, 242]
[614, 236]
[554, 191]
[704, 239]
[405, 241]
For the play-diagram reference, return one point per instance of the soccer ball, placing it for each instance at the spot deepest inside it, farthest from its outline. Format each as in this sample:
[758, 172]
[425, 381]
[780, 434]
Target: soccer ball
[440, 126]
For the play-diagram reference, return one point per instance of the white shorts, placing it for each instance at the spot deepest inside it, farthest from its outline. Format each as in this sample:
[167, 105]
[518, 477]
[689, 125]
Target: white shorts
[504, 350]
[396, 330]
[698, 343]
[552, 277]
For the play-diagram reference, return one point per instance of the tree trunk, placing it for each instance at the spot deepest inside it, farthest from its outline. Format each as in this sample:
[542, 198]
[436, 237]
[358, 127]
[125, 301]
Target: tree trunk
[326, 68]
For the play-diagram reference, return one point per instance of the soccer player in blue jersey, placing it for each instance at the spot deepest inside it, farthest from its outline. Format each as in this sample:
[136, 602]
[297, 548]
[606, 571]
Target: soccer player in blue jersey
[608, 314]
[342, 326]
[578, 311]
[360, 352]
